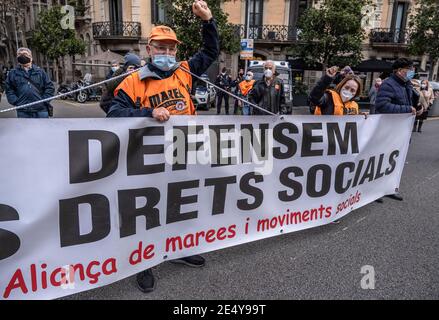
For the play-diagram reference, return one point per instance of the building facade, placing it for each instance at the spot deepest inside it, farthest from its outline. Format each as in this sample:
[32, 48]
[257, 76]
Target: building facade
[123, 25]
[273, 26]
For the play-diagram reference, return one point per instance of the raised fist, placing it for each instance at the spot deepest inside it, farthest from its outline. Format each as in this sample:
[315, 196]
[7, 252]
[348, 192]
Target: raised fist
[200, 9]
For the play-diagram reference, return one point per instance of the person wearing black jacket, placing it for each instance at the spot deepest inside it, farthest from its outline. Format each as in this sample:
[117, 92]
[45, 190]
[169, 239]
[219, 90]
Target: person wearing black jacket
[28, 83]
[268, 93]
[224, 81]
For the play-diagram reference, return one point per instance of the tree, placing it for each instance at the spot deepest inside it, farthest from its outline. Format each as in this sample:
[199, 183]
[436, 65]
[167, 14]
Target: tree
[424, 35]
[12, 17]
[187, 27]
[54, 40]
[331, 34]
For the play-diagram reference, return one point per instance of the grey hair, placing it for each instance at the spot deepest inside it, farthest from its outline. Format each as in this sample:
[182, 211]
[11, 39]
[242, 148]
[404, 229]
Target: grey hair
[270, 61]
[24, 49]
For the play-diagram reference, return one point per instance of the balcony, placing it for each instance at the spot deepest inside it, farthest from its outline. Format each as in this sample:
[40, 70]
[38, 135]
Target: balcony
[116, 30]
[383, 37]
[268, 33]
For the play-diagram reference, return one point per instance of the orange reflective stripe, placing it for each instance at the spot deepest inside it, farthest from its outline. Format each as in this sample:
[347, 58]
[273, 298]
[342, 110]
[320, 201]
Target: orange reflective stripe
[351, 107]
[245, 86]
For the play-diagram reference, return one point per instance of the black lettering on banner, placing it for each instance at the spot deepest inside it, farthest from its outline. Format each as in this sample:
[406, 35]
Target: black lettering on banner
[128, 212]
[250, 140]
[357, 173]
[339, 176]
[221, 145]
[309, 139]
[176, 200]
[312, 180]
[79, 154]
[193, 146]
[9, 241]
[379, 172]
[293, 184]
[350, 134]
[369, 172]
[392, 162]
[136, 151]
[290, 144]
[69, 219]
[219, 192]
[246, 188]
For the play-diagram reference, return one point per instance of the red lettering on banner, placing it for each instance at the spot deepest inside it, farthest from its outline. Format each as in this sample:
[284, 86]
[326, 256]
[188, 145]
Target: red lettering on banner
[16, 282]
[137, 255]
[191, 240]
[53, 280]
[58, 277]
[290, 218]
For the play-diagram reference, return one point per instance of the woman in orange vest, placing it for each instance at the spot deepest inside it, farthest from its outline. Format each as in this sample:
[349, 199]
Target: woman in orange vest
[338, 101]
[243, 91]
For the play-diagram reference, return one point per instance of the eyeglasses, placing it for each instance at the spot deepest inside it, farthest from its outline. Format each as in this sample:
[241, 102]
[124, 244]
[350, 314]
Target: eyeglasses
[163, 48]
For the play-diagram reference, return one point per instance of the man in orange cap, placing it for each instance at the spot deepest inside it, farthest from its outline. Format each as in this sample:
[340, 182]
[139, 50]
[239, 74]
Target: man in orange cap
[161, 89]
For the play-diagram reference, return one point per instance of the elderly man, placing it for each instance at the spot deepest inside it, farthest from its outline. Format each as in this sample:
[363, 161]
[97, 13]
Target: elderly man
[268, 92]
[162, 88]
[28, 83]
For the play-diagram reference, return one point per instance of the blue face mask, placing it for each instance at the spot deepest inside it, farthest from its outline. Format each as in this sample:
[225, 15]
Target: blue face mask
[164, 62]
[410, 75]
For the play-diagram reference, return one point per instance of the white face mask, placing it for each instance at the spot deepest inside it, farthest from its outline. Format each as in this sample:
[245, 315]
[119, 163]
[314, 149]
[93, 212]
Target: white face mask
[346, 95]
[268, 73]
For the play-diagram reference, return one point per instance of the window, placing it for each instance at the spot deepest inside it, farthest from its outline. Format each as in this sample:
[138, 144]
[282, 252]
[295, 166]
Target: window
[158, 13]
[254, 18]
[297, 9]
[399, 20]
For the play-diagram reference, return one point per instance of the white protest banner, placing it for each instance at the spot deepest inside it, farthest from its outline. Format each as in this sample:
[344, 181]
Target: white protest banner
[87, 202]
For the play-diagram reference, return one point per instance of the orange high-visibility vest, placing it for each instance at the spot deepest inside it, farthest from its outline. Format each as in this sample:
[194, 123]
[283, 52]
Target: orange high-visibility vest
[245, 86]
[340, 108]
[172, 93]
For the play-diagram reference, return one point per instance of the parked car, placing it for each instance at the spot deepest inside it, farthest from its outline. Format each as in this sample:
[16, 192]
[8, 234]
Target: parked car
[204, 95]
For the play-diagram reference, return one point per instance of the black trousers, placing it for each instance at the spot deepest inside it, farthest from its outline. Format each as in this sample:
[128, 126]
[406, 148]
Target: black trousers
[219, 102]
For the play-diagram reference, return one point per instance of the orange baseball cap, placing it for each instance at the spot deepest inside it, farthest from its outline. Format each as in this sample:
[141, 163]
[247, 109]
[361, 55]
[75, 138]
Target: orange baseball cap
[162, 33]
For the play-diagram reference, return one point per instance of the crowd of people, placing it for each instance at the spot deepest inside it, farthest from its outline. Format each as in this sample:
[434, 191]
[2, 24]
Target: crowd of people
[162, 89]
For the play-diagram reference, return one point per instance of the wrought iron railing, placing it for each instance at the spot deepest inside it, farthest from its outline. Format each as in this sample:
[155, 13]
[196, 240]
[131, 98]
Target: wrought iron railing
[389, 36]
[275, 33]
[116, 30]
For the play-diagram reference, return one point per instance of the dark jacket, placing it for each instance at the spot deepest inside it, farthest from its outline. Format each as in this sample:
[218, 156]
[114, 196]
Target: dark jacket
[108, 92]
[318, 96]
[224, 82]
[395, 96]
[271, 98]
[123, 106]
[20, 91]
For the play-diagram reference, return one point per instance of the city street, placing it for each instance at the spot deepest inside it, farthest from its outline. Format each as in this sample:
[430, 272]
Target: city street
[400, 240]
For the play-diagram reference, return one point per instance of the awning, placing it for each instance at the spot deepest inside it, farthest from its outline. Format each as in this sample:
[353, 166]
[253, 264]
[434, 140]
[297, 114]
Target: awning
[373, 65]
